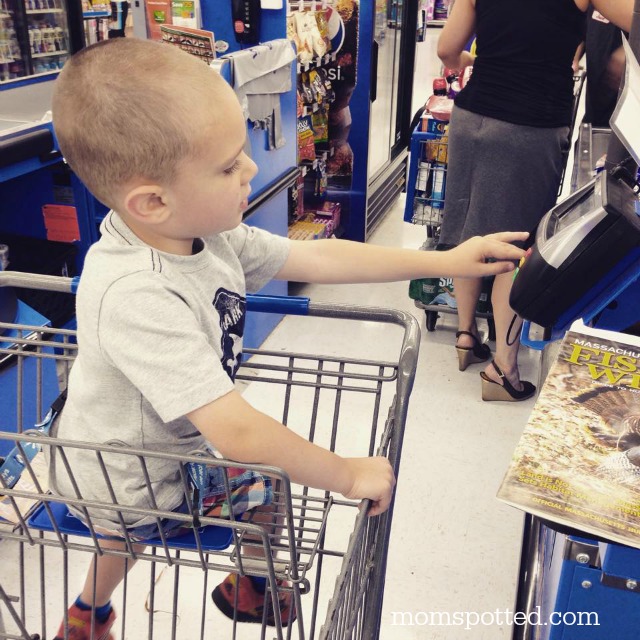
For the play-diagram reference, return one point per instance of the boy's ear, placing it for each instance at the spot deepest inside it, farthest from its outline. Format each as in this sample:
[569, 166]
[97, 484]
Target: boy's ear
[146, 204]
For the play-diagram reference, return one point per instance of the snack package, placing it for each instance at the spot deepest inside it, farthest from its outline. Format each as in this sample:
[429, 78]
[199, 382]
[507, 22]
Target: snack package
[306, 146]
[322, 20]
[317, 86]
[308, 33]
[330, 210]
[320, 123]
[431, 125]
[296, 199]
[305, 90]
[320, 189]
[306, 230]
[324, 76]
[292, 32]
[437, 150]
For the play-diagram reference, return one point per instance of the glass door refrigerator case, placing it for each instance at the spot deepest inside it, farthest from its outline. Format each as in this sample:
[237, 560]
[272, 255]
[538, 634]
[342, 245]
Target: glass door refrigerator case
[37, 37]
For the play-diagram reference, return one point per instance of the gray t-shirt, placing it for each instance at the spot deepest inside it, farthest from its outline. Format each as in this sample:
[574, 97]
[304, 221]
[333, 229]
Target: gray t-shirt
[159, 335]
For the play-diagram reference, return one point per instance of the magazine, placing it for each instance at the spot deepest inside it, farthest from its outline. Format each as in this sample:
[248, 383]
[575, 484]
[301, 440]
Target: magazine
[197, 42]
[578, 460]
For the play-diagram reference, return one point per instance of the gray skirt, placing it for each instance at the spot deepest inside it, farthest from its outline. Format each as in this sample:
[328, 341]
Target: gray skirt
[500, 176]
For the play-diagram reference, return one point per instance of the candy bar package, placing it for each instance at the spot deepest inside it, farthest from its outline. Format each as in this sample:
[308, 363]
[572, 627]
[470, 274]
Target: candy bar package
[306, 146]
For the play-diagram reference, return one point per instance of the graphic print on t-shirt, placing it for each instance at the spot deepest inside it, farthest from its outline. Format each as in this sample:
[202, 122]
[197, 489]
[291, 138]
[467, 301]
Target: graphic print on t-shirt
[231, 308]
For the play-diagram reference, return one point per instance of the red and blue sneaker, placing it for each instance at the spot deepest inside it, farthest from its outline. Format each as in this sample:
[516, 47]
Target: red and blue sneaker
[250, 604]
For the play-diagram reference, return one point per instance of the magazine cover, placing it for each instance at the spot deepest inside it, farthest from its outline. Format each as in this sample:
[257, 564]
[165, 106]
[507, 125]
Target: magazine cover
[578, 460]
[197, 42]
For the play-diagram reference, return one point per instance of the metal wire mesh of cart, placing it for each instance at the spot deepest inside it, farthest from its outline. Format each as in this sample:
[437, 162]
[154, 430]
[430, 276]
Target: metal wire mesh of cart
[427, 179]
[321, 550]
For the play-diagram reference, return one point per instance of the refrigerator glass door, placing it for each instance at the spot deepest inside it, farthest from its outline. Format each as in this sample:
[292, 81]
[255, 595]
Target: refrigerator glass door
[13, 48]
[384, 122]
[34, 37]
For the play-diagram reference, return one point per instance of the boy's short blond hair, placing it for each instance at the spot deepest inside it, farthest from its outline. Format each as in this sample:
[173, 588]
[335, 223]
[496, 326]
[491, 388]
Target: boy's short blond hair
[129, 108]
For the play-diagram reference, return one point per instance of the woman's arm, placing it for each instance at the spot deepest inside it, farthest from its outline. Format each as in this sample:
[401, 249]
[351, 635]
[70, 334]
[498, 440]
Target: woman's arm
[457, 31]
[617, 11]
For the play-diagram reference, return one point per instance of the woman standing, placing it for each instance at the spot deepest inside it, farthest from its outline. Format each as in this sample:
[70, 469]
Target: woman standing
[508, 135]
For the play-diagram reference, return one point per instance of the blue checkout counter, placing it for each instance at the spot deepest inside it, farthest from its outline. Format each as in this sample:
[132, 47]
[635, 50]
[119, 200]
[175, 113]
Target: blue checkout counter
[566, 573]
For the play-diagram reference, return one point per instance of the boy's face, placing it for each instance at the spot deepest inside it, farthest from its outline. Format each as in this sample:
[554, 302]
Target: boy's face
[211, 190]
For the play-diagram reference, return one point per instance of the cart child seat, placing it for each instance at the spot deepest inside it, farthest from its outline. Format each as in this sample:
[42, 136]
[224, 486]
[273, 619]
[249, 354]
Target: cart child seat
[55, 516]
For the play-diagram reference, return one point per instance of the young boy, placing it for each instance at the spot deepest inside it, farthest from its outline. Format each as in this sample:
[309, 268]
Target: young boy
[159, 137]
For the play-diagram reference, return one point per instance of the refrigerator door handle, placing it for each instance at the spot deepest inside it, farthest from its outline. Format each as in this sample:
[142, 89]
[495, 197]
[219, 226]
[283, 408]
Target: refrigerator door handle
[374, 71]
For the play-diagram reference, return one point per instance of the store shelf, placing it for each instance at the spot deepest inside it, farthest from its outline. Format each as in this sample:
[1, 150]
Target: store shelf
[45, 73]
[31, 12]
[436, 23]
[50, 55]
[89, 15]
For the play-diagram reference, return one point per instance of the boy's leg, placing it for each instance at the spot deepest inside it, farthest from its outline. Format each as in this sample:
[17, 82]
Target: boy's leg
[107, 572]
[243, 598]
[93, 608]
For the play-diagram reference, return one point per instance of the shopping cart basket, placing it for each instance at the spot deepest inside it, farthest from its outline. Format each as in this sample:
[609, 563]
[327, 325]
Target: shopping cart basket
[426, 181]
[323, 549]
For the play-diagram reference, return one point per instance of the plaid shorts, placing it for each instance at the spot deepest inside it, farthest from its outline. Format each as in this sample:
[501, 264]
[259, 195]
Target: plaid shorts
[249, 489]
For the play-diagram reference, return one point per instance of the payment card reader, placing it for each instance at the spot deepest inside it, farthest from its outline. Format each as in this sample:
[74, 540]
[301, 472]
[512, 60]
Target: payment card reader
[586, 242]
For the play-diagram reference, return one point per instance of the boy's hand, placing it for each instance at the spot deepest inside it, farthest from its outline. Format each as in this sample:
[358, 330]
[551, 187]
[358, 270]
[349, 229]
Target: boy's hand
[373, 479]
[469, 260]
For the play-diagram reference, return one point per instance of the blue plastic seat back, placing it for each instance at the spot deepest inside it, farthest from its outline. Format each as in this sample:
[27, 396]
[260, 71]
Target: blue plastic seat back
[211, 538]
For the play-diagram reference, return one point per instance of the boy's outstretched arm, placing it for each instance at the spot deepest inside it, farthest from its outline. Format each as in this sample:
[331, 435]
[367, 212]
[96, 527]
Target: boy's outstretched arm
[244, 434]
[342, 261]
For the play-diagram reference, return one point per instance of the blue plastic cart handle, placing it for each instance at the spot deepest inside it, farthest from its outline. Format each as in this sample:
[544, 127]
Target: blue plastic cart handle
[292, 305]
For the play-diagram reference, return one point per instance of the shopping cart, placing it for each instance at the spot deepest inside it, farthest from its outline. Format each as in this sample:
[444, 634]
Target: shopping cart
[322, 549]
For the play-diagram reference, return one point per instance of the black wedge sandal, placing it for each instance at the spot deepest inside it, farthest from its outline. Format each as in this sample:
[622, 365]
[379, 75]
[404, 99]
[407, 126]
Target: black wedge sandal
[505, 392]
[470, 355]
